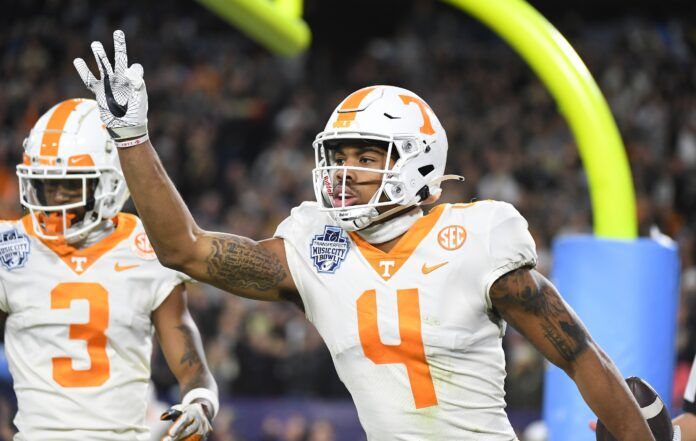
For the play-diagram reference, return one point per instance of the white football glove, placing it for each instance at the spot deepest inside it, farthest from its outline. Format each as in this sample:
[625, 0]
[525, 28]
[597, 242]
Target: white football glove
[190, 423]
[120, 93]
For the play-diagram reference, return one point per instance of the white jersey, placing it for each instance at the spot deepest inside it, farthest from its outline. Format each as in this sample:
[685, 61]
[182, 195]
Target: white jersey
[411, 331]
[78, 336]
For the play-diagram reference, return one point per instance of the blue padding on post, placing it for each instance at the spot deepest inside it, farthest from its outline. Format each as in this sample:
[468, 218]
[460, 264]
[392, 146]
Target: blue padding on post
[626, 293]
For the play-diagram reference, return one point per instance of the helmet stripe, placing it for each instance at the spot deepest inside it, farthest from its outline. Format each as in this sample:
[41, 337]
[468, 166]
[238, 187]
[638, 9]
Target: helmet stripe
[56, 125]
[348, 110]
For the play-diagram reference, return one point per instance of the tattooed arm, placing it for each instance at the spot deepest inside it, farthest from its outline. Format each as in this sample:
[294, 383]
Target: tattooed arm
[236, 264]
[181, 345]
[531, 304]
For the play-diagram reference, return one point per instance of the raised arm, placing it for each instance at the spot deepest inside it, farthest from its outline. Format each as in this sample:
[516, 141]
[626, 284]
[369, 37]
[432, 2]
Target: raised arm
[236, 264]
[532, 305]
[233, 263]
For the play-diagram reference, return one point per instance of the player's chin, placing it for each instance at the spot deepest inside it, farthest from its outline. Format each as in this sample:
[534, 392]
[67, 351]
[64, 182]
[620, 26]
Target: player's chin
[76, 215]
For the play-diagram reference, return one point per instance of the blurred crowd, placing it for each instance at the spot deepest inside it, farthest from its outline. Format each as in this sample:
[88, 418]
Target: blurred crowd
[234, 124]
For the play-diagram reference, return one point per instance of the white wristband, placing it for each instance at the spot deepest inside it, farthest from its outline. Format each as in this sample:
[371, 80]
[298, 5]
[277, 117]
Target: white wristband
[128, 132]
[205, 394]
[132, 142]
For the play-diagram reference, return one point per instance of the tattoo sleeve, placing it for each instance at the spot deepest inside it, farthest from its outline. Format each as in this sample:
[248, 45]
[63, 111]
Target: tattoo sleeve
[531, 304]
[240, 263]
[192, 360]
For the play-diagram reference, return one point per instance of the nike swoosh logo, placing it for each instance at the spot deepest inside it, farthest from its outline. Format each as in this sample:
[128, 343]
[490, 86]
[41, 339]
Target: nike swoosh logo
[429, 269]
[115, 108]
[118, 268]
[76, 161]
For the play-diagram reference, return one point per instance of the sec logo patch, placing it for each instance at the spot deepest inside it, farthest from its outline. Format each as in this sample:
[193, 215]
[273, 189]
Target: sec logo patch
[141, 246]
[452, 237]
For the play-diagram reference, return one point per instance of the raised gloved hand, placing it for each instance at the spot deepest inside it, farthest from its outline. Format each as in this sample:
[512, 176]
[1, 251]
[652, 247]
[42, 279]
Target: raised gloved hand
[191, 423]
[120, 93]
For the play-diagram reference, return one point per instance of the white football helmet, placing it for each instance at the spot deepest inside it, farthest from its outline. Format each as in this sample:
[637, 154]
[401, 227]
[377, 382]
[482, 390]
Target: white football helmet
[400, 120]
[70, 144]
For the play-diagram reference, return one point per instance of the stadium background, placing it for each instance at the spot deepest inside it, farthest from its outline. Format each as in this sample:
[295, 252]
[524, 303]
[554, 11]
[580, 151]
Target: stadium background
[234, 124]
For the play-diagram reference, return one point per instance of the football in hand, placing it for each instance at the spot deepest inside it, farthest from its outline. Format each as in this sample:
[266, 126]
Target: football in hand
[652, 408]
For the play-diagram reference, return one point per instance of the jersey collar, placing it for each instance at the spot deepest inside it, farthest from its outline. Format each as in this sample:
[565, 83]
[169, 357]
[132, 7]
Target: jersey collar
[387, 264]
[79, 259]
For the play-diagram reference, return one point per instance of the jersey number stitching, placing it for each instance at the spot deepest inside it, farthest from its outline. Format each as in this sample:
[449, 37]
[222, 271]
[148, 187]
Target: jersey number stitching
[92, 332]
[409, 352]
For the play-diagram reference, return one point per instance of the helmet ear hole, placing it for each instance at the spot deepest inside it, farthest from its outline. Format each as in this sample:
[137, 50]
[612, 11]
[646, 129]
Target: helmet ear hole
[426, 169]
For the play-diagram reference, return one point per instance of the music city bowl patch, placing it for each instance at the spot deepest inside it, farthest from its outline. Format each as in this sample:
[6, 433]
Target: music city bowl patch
[14, 249]
[329, 250]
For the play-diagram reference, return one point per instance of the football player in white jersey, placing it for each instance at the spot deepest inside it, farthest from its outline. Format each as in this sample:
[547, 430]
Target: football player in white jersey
[82, 293]
[412, 306]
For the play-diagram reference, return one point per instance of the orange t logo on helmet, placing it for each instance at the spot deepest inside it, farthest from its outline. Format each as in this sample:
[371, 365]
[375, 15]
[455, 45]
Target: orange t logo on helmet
[427, 127]
[350, 107]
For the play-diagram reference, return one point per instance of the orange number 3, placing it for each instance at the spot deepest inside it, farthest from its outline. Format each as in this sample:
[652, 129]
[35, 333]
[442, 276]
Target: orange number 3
[409, 352]
[92, 332]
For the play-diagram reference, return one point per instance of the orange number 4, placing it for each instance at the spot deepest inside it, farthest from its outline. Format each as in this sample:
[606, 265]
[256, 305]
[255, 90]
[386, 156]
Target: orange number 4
[409, 352]
[92, 332]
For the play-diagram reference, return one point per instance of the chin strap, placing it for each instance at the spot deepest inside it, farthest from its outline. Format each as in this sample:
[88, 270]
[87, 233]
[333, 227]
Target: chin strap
[96, 234]
[393, 228]
[52, 223]
[444, 178]
[414, 203]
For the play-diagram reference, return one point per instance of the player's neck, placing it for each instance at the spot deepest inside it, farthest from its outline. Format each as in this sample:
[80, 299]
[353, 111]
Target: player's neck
[385, 235]
[97, 234]
[387, 246]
